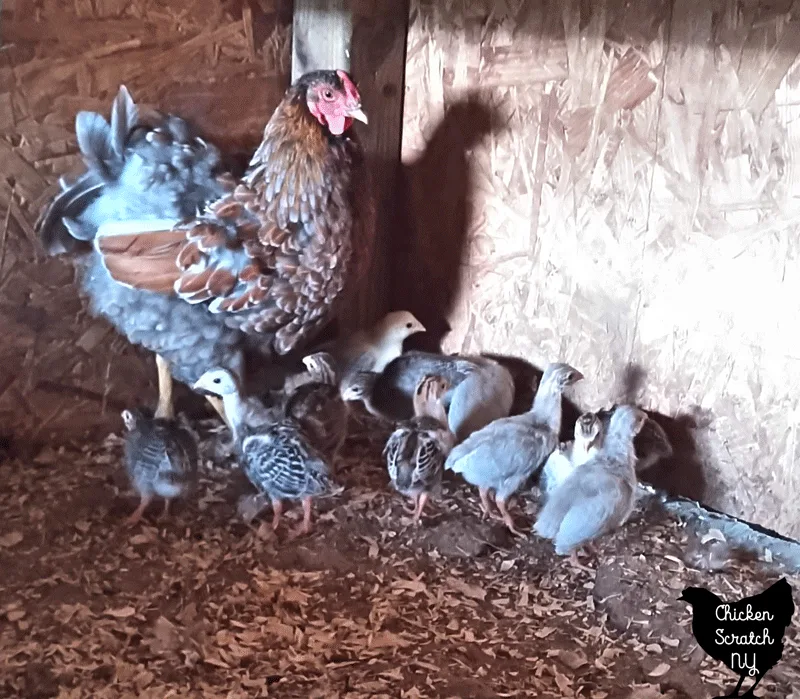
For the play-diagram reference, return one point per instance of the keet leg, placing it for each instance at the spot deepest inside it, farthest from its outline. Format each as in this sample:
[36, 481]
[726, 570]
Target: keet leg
[576, 561]
[486, 507]
[501, 505]
[277, 510]
[574, 557]
[496, 514]
[165, 408]
[165, 513]
[423, 498]
[337, 450]
[305, 527]
[139, 511]
[412, 504]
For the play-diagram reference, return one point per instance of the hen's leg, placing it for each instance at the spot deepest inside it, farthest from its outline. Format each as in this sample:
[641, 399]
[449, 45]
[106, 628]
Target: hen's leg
[139, 511]
[277, 510]
[165, 513]
[422, 498]
[501, 505]
[216, 403]
[165, 408]
[486, 506]
[305, 527]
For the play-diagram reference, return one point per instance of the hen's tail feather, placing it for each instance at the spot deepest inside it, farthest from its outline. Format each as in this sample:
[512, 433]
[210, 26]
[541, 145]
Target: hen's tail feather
[97, 144]
[103, 149]
[58, 225]
[124, 117]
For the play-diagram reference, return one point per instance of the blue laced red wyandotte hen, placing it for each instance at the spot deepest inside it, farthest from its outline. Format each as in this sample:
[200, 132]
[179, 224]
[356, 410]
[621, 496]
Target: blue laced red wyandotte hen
[205, 271]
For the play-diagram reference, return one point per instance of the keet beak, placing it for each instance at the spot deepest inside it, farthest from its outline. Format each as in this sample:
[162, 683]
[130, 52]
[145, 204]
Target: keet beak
[358, 113]
[201, 389]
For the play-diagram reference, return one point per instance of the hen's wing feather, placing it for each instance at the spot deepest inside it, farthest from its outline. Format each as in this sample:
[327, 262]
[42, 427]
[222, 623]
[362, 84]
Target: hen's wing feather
[274, 254]
[124, 117]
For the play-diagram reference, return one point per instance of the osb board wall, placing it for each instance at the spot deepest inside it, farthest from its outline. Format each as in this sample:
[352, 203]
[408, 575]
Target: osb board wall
[623, 179]
[224, 66]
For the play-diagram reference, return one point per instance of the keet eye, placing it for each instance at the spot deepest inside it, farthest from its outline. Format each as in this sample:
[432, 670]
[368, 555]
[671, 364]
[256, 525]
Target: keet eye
[408, 325]
[218, 380]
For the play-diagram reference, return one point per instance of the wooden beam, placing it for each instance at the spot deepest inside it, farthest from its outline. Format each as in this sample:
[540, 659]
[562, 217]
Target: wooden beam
[321, 35]
[368, 38]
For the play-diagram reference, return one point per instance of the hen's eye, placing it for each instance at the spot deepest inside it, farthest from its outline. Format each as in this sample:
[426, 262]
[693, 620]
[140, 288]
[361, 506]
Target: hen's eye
[217, 380]
[408, 325]
[327, 94]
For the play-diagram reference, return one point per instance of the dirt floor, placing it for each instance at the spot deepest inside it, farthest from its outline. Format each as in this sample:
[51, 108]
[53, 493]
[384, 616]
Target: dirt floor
[202, 605]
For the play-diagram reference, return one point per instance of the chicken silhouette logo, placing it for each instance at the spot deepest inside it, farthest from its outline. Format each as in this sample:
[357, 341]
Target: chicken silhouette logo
[747, 635]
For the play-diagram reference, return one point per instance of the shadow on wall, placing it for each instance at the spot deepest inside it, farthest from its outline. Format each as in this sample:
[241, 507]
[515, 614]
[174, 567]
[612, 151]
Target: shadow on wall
[433, 226]
[681, 474]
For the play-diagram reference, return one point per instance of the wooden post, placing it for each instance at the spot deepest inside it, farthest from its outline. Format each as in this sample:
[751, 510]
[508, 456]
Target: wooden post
[321, 36]
[367, 38]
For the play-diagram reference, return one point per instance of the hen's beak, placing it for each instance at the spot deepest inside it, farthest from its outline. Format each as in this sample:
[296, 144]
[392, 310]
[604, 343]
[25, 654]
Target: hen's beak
[358, 113]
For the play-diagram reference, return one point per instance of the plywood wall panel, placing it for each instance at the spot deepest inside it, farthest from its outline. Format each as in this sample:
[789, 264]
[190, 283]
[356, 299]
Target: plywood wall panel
[631, 203]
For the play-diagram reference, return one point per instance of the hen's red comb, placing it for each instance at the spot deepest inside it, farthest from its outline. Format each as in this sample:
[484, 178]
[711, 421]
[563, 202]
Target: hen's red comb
[349, 86]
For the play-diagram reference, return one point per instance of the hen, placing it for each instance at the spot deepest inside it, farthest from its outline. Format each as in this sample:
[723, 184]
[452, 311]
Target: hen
[262, 267]
[142, 165]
